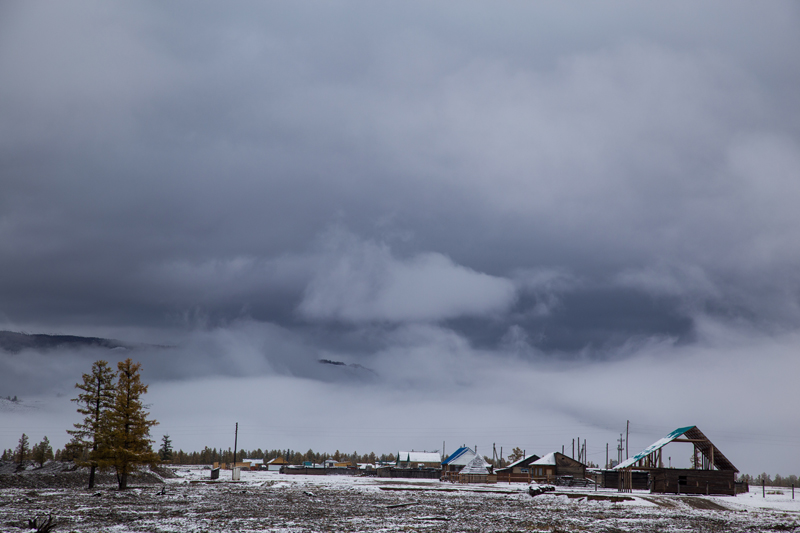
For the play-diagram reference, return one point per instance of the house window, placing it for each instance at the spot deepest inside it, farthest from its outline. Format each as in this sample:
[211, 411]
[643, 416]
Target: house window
[523, 470]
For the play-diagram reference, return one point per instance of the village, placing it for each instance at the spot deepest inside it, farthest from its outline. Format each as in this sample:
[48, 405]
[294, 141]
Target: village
[711, 472]
[417, 490]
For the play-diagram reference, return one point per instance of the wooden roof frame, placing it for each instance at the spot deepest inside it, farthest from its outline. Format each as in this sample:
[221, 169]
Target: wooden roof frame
[650, 457]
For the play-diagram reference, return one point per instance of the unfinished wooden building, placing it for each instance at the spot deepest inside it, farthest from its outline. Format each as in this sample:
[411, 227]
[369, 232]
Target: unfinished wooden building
[712, 473]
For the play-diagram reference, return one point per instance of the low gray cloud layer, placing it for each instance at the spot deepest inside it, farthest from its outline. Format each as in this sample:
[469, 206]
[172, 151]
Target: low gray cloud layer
[403, 186]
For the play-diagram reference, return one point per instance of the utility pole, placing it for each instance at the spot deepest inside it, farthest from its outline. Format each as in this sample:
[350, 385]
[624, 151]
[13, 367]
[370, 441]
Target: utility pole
[627, 430]
[573, 448]
[607, 467]
[235, 443]
[619, 450]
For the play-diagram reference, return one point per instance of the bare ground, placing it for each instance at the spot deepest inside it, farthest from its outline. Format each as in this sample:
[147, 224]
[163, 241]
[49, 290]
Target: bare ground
[275, 505]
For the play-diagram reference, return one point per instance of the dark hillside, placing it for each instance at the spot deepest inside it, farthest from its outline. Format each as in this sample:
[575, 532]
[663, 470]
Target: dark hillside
[14, 342]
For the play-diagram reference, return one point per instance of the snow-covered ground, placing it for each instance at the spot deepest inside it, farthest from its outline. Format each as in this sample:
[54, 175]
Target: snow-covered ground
[269, 501]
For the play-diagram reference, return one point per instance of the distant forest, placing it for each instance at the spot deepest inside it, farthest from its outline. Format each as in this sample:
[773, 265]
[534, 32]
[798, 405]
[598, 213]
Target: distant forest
[777, 481]
[213, 455]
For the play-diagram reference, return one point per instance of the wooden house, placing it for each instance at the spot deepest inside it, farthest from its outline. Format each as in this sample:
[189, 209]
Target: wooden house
[518, 471]
[277, 463]
[455, 462]
[414, 459]
[556, 467]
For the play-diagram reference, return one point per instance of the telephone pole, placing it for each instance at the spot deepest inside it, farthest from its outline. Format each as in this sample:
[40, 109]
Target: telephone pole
[235, 443]
[627, 431]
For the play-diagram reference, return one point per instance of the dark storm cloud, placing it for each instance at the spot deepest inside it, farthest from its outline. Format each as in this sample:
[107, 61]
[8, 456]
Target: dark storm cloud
[152, 168]
[408, 186]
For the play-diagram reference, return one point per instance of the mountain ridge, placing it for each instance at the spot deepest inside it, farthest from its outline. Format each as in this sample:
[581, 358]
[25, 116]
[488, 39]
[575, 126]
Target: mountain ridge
[15, 342]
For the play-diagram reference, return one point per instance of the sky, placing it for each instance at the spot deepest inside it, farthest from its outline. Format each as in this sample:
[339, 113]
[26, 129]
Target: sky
[515, 224]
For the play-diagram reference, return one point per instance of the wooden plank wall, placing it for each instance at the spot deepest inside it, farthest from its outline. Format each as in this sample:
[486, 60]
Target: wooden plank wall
[416, 473]
[509, 477]
[640, 480]
[693, 481]
[578, 472]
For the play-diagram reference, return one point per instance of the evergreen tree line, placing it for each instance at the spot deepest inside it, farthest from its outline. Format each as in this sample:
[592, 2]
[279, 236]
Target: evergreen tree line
[43, 452]
[777, 481]
[39, 453]
[213, 455]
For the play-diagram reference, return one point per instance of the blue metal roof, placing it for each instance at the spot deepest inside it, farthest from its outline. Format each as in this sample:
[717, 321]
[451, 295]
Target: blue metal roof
[456, 454]
[653, 447]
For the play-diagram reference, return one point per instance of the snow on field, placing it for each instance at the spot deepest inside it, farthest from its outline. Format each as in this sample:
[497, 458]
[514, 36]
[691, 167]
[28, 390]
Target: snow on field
[270, 501]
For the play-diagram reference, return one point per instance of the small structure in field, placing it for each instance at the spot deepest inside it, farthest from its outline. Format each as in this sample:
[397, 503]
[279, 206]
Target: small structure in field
[518, 471]
[713, 473]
